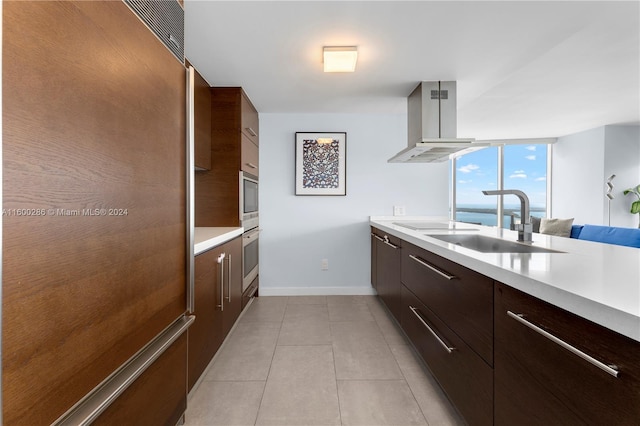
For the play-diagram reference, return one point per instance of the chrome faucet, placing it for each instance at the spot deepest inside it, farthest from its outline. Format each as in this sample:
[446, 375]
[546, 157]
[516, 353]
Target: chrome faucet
[525, 229]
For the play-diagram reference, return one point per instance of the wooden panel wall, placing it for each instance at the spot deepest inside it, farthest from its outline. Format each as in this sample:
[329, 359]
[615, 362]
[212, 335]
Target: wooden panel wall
[93, 118]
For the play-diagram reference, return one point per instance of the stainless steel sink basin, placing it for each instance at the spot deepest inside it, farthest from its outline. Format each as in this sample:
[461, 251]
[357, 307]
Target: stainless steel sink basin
[489, 245]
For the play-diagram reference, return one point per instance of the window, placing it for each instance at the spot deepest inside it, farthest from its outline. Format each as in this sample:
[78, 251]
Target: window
[522, 167]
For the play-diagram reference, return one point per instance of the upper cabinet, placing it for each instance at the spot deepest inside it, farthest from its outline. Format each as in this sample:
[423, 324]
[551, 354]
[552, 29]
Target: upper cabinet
[202, 122]
[234, 149]
[249, 119]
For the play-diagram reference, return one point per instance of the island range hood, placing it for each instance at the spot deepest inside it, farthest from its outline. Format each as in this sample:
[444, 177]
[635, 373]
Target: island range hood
[432, 122]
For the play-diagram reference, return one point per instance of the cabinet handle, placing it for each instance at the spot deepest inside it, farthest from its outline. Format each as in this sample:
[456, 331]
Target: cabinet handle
[609, 369]
[251, 131]
[229, 279]
[190, 189]
[448, 348]
[433, 268]
[221, 263]
[253, 166]
[386, 241]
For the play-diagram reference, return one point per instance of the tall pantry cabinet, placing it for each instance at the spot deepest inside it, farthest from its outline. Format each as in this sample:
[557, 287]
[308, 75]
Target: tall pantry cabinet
[94, 244]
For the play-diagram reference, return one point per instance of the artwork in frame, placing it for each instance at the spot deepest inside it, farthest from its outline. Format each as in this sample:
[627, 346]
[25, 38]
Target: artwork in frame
[321, 163]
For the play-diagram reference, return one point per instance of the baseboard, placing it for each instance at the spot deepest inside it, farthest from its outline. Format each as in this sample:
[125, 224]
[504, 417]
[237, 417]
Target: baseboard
[317, 291]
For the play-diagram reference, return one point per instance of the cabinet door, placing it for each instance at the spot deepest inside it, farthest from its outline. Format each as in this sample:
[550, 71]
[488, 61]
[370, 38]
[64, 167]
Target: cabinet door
[249, 156]
[206, 334]
[249, 119]
[538, 381]
[232, 283]
[462, 298]
[464, 376]
[202, 123]
[374, 259]
[388, 271]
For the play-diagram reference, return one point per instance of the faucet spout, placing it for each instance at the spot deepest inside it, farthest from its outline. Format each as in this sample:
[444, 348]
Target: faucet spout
[525, 229]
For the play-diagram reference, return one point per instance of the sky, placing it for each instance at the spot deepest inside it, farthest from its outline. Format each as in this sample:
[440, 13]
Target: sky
[525, 168]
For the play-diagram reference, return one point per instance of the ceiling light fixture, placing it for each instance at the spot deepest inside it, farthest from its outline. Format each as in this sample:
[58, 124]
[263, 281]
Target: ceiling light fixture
[340, 58]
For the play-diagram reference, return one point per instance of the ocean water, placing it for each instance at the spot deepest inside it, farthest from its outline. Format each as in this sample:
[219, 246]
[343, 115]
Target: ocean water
[479, 214]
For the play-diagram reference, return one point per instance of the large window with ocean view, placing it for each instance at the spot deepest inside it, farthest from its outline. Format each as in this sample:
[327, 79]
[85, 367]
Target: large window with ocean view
[522, 167]
[475, 172]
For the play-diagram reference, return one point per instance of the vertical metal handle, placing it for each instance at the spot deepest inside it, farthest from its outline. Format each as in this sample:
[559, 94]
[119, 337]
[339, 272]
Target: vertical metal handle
[229, 280]
[221, 263]
[190, 190]
[608, 368]
[251, 131]
[448, 348]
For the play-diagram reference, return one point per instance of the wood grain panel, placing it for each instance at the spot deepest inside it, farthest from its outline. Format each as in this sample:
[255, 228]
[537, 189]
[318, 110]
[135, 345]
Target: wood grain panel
[157, 397]
[217, 191]
[205, 334]
[202, 122]
[93, 118]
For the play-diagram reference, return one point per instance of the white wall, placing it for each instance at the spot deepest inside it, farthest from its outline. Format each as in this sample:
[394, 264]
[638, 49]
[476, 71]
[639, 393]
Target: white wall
[299, 231]
[581, 165]
[622, 158]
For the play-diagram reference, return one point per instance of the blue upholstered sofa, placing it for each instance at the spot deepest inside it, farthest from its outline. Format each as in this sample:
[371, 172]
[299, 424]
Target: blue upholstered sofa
[607, 234]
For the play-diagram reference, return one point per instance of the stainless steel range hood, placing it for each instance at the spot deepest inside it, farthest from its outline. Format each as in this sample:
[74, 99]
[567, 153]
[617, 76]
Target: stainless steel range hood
[432, 122]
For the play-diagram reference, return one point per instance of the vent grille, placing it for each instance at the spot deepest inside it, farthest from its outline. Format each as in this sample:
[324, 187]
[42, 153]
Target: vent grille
[166, 19]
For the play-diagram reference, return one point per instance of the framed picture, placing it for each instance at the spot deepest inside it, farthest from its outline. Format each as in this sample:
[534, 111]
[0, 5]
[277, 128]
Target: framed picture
[321, 163]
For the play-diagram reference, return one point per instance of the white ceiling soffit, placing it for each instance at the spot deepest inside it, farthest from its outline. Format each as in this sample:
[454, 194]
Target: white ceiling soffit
[524, 69]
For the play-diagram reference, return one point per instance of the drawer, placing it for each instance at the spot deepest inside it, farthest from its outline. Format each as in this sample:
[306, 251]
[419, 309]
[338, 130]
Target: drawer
[463, 375]
[540, 381]
[462, 298]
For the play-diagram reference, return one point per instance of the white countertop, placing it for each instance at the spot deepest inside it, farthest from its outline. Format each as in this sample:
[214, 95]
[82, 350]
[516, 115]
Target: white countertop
[208, 238]
[599, 282]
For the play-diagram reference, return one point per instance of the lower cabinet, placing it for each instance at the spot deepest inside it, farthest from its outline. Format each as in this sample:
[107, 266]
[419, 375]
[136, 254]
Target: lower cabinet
[553, 367]
[464, 376]
[218, 303]
[387, 251]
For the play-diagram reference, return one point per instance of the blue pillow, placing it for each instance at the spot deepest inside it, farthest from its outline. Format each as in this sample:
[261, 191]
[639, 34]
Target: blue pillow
[611, 235]
[575, 230]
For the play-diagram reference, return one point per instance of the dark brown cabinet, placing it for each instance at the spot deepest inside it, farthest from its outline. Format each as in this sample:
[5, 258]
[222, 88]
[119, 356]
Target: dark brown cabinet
[462, 298]
[541, 376]
[234, 148]
[202, 122]
[463, 375]
[218, 303]
[387, 265]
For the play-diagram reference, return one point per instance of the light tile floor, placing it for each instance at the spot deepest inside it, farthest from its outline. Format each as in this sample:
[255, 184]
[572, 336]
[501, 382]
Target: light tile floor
[318, 360]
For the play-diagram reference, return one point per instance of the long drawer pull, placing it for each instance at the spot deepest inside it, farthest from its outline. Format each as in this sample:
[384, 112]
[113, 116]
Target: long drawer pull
[609, 369]
[448, 348]
[229, 280]
[433, 268]
[251, 131]
[386, 241]
[253, 166]
[221, 263]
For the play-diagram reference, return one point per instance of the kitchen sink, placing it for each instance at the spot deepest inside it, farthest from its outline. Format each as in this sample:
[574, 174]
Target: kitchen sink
[489, 245]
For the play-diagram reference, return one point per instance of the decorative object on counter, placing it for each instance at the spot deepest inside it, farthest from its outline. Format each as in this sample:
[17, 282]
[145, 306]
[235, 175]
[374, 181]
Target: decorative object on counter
[635, 206]
[609, 195]
[321, 163]
[557, 227]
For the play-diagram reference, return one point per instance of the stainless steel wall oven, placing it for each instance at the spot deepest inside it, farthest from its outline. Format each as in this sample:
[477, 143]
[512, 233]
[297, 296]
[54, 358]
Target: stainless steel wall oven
[248, 201]
[250, 257]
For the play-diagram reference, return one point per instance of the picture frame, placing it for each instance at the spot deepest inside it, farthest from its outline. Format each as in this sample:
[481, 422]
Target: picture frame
[321, 163]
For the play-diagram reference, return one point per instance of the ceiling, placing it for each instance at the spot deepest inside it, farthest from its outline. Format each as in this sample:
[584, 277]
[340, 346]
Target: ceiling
[524, 69]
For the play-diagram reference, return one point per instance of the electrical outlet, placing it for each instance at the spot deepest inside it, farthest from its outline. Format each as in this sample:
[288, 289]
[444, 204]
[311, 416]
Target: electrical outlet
[398, 211]
[324, 264]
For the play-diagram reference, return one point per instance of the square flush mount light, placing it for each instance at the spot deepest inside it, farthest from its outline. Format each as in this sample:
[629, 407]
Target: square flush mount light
[340, 59]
